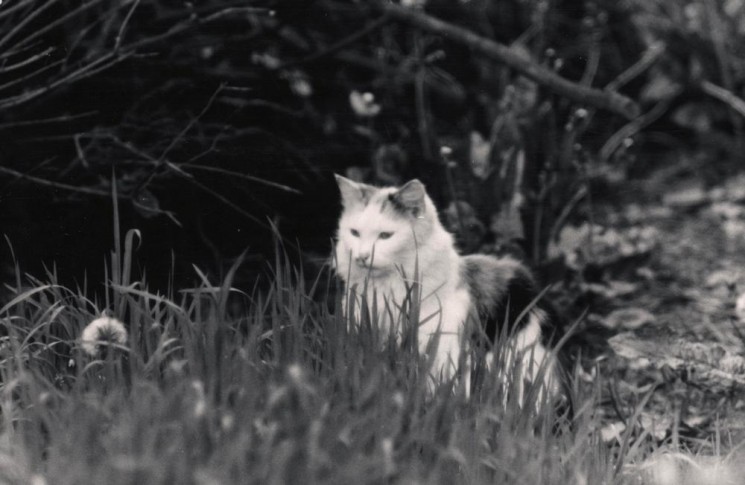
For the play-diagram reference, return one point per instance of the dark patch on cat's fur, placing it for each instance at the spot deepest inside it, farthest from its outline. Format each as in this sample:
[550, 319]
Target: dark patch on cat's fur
[398, 206]
[501, 291]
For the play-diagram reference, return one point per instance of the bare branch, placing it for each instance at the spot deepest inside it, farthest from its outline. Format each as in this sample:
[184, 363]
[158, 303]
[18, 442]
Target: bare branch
[20, 25]
[611, 101]
[27, 39]
[100, 64]
[191, 123]
[339, 45]
[53, 184]
[633, 127]
[84, 190]
[42, 121]
[24, 78]
[27, 61]
[725, 96]
[650, 56]
[12, 9]
[123, 28]
[244, 176]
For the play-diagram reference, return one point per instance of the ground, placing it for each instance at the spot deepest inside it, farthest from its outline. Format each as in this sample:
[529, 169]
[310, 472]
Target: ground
[673, 270]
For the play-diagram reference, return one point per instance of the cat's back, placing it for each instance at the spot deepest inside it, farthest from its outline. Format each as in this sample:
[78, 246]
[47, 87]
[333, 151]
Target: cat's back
[501, 289]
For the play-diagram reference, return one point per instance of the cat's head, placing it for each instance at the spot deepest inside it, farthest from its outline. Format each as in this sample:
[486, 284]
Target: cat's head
[381, 229]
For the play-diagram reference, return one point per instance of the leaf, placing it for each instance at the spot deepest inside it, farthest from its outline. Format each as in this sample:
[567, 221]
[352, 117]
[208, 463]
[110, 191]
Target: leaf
[693, 116]
[657, 424]
[659, 87]
[740, 308]
[610, 290]
[612, 432]
[686, 198]
[709, 365]
[480, 155]
[602, 246]
[722, 277]
[628, 318]
[507, 224]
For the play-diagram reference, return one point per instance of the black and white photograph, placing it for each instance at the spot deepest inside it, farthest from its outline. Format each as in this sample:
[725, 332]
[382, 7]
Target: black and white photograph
[385, 242]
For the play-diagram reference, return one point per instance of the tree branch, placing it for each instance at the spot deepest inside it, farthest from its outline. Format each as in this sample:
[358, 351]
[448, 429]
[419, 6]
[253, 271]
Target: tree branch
[607, 100]
[727, 97]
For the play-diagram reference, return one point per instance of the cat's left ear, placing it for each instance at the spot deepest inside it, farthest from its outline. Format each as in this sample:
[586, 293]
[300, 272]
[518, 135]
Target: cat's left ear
[410, 197]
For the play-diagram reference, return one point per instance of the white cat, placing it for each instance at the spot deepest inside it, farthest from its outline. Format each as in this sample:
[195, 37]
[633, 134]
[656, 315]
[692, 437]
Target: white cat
[389, 238]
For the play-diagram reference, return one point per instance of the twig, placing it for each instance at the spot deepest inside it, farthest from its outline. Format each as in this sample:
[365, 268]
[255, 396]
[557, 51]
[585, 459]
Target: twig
[191, 23]
[725, 96]
[28, 19]
[593, 61]
[55, 185]
[26, 62]
[650, 56]
[718, 39]
[191, 123]
[112, 58]
[83, 190]
[422, 112]
[244, 176]
[42, 121]
[456, 92]
[611, 101]
[101, 64]
[339, 45]
[161, 161]
[230, 204]
[565, 212]
[636, 125]
[11, 9]
[123, 28]
[26, 77]
[43, 30]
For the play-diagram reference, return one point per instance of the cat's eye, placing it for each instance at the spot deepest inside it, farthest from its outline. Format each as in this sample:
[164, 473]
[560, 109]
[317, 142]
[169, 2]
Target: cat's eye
[385, 235]
[355, 232]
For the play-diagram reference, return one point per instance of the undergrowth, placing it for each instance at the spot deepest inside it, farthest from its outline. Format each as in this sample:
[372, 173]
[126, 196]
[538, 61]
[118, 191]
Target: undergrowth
[219, 385]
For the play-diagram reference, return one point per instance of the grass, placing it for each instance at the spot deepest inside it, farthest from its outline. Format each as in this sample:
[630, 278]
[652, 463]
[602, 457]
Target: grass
[216, 385]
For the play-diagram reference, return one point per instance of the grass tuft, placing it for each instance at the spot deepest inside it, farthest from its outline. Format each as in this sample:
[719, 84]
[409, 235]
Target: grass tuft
[217, 385]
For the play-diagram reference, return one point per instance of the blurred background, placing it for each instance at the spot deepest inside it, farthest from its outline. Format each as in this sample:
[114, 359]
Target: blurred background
[221, 119]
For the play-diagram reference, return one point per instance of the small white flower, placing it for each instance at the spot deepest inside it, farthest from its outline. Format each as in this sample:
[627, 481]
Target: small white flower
[299, 84]
[103, 329]
[200, 403]
[265, 59]
[207, 52]
[227, 422]
[295, 372]
[363, 104]
[389, 464]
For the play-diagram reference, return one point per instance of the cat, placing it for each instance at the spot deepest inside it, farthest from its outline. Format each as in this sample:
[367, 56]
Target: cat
[390, 238]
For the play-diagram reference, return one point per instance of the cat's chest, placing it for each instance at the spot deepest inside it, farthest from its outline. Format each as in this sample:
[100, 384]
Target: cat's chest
[397, 294]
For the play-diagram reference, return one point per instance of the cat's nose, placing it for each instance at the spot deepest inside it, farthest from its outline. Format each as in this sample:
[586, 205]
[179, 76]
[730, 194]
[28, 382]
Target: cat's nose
[363, 259]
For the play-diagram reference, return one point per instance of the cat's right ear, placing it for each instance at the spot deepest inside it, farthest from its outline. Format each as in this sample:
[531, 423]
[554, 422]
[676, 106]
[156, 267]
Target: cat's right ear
[353, 193]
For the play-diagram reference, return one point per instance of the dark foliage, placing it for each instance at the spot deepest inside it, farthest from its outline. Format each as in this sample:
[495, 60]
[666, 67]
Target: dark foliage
[218, 117]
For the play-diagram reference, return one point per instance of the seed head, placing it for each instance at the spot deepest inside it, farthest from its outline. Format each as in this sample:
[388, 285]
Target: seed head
[103, 329]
